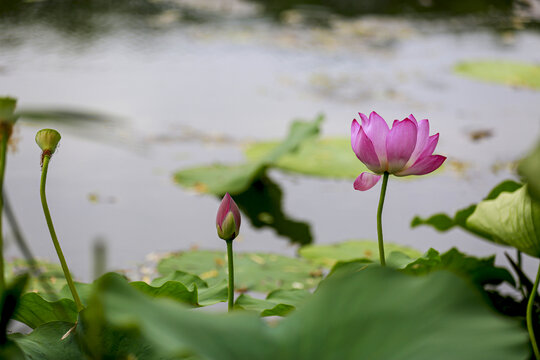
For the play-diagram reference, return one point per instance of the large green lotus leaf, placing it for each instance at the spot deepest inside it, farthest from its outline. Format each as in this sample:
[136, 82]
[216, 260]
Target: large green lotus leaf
[530, 169]
[277, 303]
[443, 222]
[376, 314]
[437, 316]
[253, 271]
[328, 255]
[511, 219]
[332, 158]
[34, 310]
[218, 179]
[185, 288]
[481, 271]
[46, 343]
[502, 72]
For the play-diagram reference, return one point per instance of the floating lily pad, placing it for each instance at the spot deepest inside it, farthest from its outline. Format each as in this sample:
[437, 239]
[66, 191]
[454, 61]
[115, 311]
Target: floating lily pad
[331, 157]
[218, 179]
[328, 255]
[502, 72]
[253, 271]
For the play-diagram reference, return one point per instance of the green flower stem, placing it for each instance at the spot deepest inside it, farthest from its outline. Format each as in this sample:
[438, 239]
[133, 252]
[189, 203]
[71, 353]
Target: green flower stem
[231, 274]
[3, 152]
[530, 313]
[379, 218]
[65, 268]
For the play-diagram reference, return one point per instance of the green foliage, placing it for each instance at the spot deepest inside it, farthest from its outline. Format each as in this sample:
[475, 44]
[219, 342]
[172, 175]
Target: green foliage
[511, 219]
[444, 222]
[9, 301]
[507, 216]
[218, 179]
[46, 343]
[529, 168]
[481, 271]
[425, 317]
[277, 303]
[328, 255]
[332, 158]
[34, 310]
[253, 271]
[185, 288]
[502, 72]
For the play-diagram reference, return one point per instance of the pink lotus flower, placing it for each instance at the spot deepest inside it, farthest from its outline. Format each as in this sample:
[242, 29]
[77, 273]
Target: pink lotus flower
[228, 219]
[406, 149]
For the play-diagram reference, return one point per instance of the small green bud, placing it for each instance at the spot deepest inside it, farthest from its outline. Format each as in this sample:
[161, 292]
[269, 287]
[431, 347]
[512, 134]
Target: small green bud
[48, 139]
[7, 117]
[7, 109]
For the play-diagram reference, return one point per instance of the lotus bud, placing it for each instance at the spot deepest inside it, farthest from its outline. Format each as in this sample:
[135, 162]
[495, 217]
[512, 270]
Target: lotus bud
[47, 139]
[7, 115]
[228, 219]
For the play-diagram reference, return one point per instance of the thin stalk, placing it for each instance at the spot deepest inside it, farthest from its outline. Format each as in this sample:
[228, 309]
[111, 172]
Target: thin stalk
[65, 268]
[379, 218]
[530, 313]
[231, 275]
[3, 152]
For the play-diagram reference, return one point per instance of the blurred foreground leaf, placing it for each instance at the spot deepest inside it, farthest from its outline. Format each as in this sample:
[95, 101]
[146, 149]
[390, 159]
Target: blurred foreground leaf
[437, 316]
[253, 271]
[502, 72]
[9, 302]
[328, 255]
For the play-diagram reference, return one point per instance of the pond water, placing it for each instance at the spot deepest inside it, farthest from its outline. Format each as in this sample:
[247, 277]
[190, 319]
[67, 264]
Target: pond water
[185, 90]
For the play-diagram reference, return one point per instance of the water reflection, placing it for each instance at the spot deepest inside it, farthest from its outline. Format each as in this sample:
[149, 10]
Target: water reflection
[262, 204]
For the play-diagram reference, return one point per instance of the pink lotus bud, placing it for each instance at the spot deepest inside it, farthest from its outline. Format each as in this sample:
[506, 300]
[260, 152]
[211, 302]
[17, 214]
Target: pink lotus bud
[228, 219]
[405, 149]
